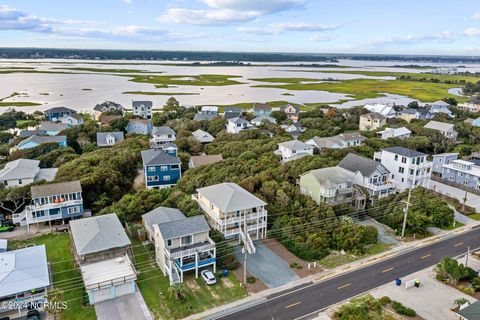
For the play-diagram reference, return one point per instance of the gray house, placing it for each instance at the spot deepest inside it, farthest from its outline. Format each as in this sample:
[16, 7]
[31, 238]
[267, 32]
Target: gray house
[108, 139]
[160, 215]
[139, 126]
[142, 109]
[446, 129]
[461, 172]
[202, 136]
[439, 160]
[21, 172]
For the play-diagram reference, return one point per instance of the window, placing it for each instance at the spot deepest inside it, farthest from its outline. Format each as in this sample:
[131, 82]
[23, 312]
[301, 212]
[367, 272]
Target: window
[174, 166]
[411, 171]
[73, 210]
[20, 181]
[404, 160]
[164, 168]
[152, 178]
[110, 140]
[186, 240]
[396, 157]
[403, 179]
[5, 182]
[401, 169]
[169, 242]
[166, 178]
[151, 169]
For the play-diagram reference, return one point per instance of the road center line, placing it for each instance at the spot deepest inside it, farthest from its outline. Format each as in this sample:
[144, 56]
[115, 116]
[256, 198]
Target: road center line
[386, 270]
[458, 244]
[293, 304]
[344, 286]
[425, 256]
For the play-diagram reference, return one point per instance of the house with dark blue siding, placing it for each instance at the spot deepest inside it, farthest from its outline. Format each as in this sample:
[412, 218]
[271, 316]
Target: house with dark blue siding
[55, 114]
[162, 167]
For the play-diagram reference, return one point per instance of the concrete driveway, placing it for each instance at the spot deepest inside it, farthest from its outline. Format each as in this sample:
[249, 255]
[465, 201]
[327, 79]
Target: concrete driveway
[472, 199]
[126, 307]
[268, 266]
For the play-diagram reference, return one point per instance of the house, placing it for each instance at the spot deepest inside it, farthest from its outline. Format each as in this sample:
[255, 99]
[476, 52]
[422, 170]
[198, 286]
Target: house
[441, 107]
[161, 135]
[170, 148]
[372, 121]
[161, 169]
[159, 215]
[441, 159]
[35, 141]
[24, 281]
[108, 139]
[142, 109]
[295, 129]
[333, 186]
[107, 106]
[401, 133]
[206, 113]
[340, 141]
[292, 112]
[52, 202]
[446, 129]
[236, 125]
[106, 120]
[139, 126]
[476, 122]
[197, 161]
[54, 114]
[369, 174]
[472, 105]
[260, 120]
[460, 172]
[261, 109]
[469, 311]
[21, 172]
[182, 245]
[203, 136]
[420, 113]
[227, 206]
[52, 128]
[72, 120]
[29, 133]
[232, 112]
[293, 150]
[103, 251]
[384, 110]
[408, 168]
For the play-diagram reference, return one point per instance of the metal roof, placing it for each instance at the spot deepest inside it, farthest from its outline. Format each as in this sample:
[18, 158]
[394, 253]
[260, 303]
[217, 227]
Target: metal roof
[405, 152]
[354, 163]
[184, 227]
[162, 215]
[153, 157]
[52, 189]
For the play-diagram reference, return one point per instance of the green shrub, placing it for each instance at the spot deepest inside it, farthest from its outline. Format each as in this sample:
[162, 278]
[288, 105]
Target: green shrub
[401, 309]
[385, 300]
[294, 265]
[251, 280]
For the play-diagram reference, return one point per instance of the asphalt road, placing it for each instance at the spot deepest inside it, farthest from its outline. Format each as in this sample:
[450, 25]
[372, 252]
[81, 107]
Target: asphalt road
[306, 301]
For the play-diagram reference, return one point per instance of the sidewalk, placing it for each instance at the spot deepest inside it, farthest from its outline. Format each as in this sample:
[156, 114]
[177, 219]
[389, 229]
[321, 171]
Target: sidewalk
[472, 199]
[260, 297]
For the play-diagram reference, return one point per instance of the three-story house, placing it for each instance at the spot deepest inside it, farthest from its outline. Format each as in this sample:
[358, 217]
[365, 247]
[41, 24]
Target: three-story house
[162, 168]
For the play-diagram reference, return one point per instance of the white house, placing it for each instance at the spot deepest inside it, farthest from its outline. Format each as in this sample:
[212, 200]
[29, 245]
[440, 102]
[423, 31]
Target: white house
[408, 168]
[292, 150]
[203, 136]
[401, 133]
[446, 129]
[386, 111]
[21, 172]
[340, 141]
[238, 124]
[142, 109]
[161, 135]
[108, 139]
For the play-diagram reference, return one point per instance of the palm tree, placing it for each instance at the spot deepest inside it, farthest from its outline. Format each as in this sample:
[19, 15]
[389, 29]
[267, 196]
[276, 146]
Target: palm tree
[178, 291]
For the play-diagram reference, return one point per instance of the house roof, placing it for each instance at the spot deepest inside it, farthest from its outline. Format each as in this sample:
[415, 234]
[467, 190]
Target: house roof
[440, 126]
[20, 169]
[380, 108]
[29, 133]
[230, 197]
[76, 116]
[238, 120]
[147, 104]
[295, 145]
[331, 177]
[374, 115]
[264, 118]
[169, 145]
[202, 135]
[203, 116]
[354, 163]
[198, 161]
[396, 131]
[409, 153]
[42, 139]
[109, 118]
[102, 137]
[210, 108]
[47, 174]
[98, 233]
[52, 126]
[297, 109]
[162, 215]
[23, 270]
[153, 157]
[232, 109]
[163, 130]
[262, 106]
[472, 312]
[184, 227]
[145, 122]
[441, 103]
[328, 142]
[51, 189]
[109, 105]
[59, 109]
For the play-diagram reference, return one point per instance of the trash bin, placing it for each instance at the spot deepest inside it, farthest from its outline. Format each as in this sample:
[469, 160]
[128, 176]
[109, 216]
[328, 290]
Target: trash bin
[225, 272]
[398, 282]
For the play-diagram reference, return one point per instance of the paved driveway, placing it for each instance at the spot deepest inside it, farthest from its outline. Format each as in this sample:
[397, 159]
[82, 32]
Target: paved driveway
[122, 308]
[472, 199]
[268, 266]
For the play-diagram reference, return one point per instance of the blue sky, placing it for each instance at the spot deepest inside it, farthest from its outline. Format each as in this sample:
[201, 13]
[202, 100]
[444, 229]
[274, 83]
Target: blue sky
[351, 26]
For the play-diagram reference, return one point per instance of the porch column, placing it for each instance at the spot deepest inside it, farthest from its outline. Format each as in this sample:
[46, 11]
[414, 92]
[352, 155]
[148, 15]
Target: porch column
[215, 257]
[196, 264]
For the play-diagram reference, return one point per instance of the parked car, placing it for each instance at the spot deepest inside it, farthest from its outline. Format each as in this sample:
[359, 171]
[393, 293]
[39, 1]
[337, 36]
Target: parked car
[208, 277]
[6, 225]
[33, 315]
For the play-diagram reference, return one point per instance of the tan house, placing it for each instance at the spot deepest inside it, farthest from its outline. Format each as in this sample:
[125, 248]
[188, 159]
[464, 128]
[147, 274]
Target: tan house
[291, 111]
[372, 121]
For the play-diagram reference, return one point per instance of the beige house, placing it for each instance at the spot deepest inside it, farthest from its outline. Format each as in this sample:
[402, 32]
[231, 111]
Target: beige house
[372, 121]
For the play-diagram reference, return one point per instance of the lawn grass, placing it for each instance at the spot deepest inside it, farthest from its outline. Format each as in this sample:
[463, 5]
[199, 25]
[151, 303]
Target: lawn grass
[474, 216]
[367, 88]
[186, 80]
[19, 104]
[64, 274]
[151, 93]
[25, 123]
[335, 259]
[200, 297]
[458, 224]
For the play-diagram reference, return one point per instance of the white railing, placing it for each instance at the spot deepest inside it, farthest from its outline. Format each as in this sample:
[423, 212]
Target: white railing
[32, 219]
[47, 206]
[190, 251]
[251, 216]
[379, 186]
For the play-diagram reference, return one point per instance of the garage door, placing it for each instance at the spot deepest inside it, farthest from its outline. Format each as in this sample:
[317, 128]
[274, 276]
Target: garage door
[123, 289]
[102, 295]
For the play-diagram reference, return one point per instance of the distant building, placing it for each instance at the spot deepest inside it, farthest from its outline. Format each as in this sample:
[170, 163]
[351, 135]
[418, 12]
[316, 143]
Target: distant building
[35, 141]
[142, 109]
[449, 168]
[197, 161]
[343, 140]
[108, 139]
[476, 122]
[441, 107]
[107, 106]
[203, 136]
[236, 125]
[52, 128]
[232, 112]
[24, 171]
[446, 129]
[293, 150]
[439, 160]
[384, 110]
[206, 113]
[139, 126]
[106, 120]
[291, 111]
[472, 105]
[420, 113]
[54, 114]
[161, 169]
[72, 120]
[372, 121]
[260, 120]
[261, 109]
[161, 135]
[401, 133]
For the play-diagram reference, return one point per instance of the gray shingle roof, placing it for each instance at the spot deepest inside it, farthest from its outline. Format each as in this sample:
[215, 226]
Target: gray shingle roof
[232, 109]
[262, 106]
[29, 133]
[162, 215]
[405, 152]
[203, 116]
[179, 228]
[198, 161]
[332, 177]
[108, 105]
[153, 157]
[375, 115]
[102, 137]
[264, 118]
[440, 126]
[472, 312]
[43, 139]
[52, 126]
[45, 190]
[230, 197]
[59, 109]
[147, 104]
[238, 120]
[202, 136]
[295, 145]
[163, 130]
[353, 162]
[20, 169]
[144, 122]
[99, 233]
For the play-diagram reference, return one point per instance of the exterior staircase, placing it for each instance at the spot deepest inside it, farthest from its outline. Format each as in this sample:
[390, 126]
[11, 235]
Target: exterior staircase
[21, 217]
[174, 276]
[248, 240]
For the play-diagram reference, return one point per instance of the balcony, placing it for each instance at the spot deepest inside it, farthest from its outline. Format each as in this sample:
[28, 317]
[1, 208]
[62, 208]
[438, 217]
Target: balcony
[48, 206]
[32, 219]
[379, 186]
[193, 265]
[251, 216]
[189, 250]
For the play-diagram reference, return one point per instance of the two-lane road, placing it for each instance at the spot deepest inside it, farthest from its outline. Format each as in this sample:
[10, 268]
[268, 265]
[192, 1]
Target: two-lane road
[307, 300]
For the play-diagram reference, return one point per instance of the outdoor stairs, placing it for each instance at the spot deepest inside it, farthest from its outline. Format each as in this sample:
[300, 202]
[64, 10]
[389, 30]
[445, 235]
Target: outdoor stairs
[174, 276]
[21, 217]
[248, 241]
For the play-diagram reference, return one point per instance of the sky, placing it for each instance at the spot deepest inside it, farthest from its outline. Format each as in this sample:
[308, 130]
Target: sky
[432, 27]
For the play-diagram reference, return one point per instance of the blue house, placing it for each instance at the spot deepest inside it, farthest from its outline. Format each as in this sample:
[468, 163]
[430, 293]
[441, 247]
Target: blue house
[53, 202]
[261, 109]
[441, 107]
[55, 114]
[162, 168]
[476, 122]
[52, 128]
[139, 126]
[34, 141]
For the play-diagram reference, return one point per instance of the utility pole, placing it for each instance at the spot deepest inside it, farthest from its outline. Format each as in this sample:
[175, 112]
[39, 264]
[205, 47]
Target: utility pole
[465, 198]
[466, 259]
[245, 249]
[404, 226]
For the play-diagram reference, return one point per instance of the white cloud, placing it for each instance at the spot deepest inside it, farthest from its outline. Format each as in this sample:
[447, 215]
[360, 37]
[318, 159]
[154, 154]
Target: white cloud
[260, 6]
[278, 28]
[476, 16]
[442, 37]
[472, 32]
[128, 1]
[321, 38]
